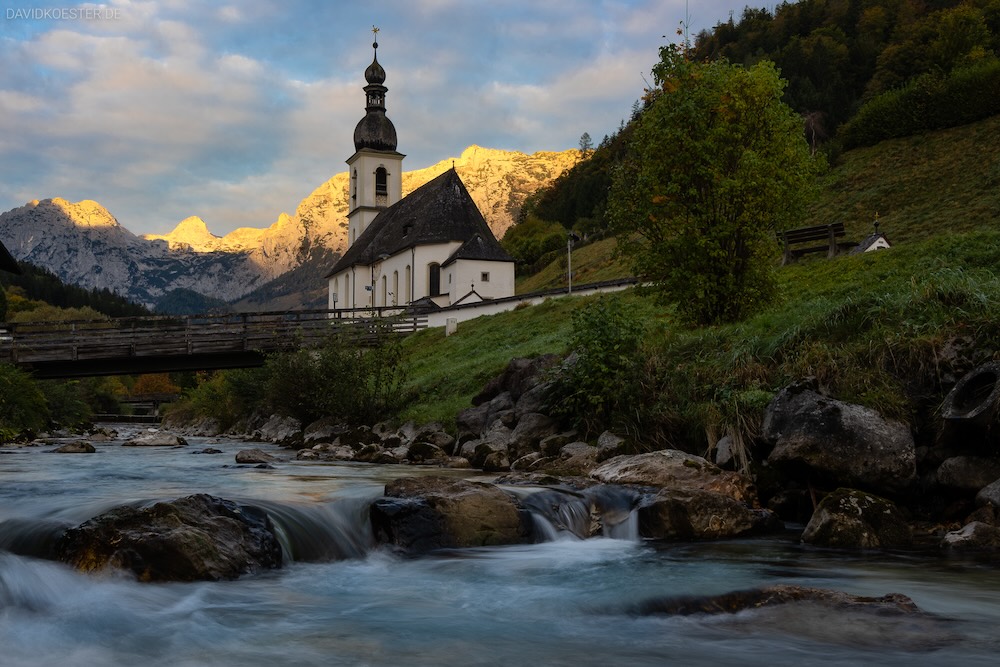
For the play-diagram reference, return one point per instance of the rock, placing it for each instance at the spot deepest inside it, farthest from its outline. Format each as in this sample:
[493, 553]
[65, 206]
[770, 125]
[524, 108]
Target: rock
[481, 419]
[696, 514]
[889, 622]
[609, 445]
[853, 519]
[322, 430]
[424, 452]
[968, 473]
[156, 439]
[531, 429]
[989, 494]
[280, 430]
[496, 461]
[738, 601]
[535, 399]
[551, 445]
[358, 438]
[420, 514]
[208, 450]
[253, 456]
[674, 469]
[724, 453]
[78, 447]
[974, 536]
[432, 434]
[575, 458]
[196, 538]
[521, 375]
[103, 434]
[838, 442]
[494, 441]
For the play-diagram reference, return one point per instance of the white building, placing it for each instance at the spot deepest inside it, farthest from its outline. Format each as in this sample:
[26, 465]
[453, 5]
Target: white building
[432, 248]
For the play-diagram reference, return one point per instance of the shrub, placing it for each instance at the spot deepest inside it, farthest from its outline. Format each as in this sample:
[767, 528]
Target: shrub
[595, 389]
[22, 404]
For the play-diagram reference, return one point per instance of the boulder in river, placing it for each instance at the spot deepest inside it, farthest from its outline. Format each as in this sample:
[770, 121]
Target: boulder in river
[854, 519]
[696, 514]
[827, 616]
[420, 514]
[195, 538]
[254, 456]
[75, 447]
[674, 469]
[155, 439]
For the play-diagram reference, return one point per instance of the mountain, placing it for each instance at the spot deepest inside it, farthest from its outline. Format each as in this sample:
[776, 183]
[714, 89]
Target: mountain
[85, 245]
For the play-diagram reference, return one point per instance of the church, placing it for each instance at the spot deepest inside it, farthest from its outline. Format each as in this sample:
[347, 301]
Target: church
[431, 249]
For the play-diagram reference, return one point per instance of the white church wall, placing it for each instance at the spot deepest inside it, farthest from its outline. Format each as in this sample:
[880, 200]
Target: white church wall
[469, 274]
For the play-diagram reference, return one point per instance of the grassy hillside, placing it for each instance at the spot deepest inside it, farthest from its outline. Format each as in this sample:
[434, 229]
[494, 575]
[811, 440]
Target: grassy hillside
[941, 182]
[920, 187]
[890, 329]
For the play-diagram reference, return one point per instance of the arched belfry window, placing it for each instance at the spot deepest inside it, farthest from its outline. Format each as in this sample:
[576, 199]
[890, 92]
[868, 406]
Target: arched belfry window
[381, 187]
[434, 279]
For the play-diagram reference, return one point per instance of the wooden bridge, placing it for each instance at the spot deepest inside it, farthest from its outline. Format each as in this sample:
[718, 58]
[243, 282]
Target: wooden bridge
[157, 344]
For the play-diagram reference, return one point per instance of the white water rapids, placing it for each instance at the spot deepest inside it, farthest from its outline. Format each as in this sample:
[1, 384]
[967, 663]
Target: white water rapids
[340, 601]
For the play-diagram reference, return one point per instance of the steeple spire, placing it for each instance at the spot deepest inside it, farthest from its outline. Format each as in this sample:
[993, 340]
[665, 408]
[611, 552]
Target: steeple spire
[375, 131]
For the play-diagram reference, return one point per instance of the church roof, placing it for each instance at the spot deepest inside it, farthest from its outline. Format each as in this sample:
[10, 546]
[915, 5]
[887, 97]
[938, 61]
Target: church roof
[7, 262]
[479, 248]
[439, 211]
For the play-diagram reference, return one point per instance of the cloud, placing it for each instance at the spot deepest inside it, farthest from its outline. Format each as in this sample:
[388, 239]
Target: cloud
[236, 111]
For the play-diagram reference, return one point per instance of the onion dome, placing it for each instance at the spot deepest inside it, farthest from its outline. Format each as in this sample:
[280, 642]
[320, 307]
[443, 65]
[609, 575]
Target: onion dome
[375, 131]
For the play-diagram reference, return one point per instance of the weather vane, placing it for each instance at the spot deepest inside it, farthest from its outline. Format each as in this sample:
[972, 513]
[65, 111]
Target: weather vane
[375, 32]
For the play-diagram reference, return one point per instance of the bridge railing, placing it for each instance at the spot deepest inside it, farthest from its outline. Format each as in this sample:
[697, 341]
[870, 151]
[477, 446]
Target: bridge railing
[164, 335]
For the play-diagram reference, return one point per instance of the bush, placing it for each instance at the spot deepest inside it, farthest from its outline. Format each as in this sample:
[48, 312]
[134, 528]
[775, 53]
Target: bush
[22, 404]
[340, 379]
[932, 101]
[596, 387]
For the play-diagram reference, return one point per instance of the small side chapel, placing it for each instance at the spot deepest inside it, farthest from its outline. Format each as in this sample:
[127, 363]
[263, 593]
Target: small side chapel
[433, 247]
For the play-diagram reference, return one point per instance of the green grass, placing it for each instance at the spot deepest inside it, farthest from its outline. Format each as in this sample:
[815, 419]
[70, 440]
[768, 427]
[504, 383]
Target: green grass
[592, 263]
[890, 329]
[446, 372]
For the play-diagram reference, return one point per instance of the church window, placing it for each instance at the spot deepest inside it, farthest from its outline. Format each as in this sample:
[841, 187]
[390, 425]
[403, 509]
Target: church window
[484, 277]
[409, 294]
[434, 279]
[381, 187]
[395, 288]
[384, 290]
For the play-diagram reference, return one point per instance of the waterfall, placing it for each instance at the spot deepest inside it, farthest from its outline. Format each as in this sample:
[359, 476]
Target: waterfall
[604, 510]
[321, 533]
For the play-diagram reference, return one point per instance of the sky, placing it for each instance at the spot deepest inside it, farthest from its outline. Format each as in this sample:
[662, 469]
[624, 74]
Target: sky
[236, 111]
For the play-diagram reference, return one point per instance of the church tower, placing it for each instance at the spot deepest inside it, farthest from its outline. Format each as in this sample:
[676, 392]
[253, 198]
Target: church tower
[376, 168]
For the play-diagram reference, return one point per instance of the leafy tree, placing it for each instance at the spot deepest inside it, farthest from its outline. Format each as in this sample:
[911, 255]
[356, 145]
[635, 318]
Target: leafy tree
[154, 383]
[22, 404]
[532, 239]
[586, 144]
[717, 161]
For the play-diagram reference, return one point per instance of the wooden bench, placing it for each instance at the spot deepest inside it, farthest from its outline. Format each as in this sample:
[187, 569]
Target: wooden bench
[828, 233]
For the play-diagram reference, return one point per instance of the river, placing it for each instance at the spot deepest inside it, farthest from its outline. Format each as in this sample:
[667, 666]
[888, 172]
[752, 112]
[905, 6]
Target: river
[563, 602]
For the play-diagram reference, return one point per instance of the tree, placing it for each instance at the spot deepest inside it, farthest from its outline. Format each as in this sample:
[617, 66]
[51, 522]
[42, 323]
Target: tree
[716, 162]
[586, 144]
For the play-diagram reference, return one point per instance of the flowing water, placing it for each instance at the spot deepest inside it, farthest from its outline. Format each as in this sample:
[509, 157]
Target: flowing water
[339, 601]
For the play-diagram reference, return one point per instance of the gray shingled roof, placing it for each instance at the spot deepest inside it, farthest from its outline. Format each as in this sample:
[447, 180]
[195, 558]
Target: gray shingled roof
[437, 212]
[7, 262]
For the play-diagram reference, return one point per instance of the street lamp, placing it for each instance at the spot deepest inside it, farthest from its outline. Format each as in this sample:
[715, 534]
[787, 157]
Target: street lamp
[570, 240]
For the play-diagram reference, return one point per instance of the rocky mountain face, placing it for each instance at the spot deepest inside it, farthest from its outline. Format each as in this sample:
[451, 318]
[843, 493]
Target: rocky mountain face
[85, 245]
